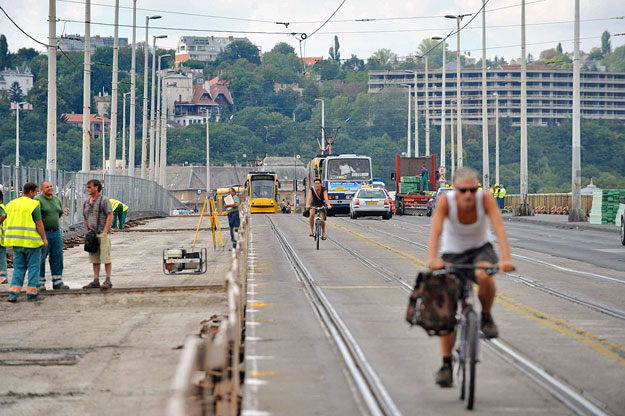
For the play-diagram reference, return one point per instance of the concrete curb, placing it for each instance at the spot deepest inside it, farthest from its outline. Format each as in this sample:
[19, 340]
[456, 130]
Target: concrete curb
[569, 226]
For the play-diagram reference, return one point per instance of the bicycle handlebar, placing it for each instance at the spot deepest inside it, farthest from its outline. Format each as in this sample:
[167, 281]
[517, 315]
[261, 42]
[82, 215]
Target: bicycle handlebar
[452, 268]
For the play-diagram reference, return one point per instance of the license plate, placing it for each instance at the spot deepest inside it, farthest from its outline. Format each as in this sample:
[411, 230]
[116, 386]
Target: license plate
[372, 202]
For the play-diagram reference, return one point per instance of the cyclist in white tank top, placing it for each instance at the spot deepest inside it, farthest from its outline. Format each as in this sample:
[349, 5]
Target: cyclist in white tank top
[461, 218]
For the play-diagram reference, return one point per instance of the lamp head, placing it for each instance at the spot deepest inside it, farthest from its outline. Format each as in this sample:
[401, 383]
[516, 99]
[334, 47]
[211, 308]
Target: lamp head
[154, 17]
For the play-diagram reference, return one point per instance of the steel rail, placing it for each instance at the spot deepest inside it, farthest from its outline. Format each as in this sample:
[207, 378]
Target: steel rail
[573, 400]
[120, 290]
[531, 282]
[370, 388]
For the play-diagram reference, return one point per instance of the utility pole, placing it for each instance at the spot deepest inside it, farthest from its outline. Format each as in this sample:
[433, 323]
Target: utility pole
[17, 147]
[133, 98]
[496, 138]
[523, 209]
[113, 135]
[416, 116]
[101, 118]
[164, 134]
[409, 118]
[576, 214]
[451, 128]
[124, 136]
[86, 95]
[443, 85]
[323, 125]
[152, 123]
[427, 108]
[157, 141]
[485, 161]
[460, 157]
[51, 132]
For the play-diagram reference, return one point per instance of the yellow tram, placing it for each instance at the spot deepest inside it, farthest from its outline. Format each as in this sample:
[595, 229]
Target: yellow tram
[262, 190]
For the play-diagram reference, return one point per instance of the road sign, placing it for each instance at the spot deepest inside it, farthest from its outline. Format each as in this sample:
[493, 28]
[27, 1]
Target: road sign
[442, 179]
[442, 170]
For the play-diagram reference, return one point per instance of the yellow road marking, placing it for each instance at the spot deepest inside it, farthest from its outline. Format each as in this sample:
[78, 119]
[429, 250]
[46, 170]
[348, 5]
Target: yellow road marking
[257, 268]
[259, 274]
[407, 257]
[358, 287]
[585, 337]
[258, 304]
[263, 373]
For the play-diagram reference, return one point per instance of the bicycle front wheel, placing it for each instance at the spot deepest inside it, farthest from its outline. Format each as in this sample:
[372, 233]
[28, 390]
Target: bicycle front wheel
[473, 338]
[317, 234]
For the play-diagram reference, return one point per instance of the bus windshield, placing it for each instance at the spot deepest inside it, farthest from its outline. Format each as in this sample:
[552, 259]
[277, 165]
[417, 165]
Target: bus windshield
[349, 169]
[262, 188]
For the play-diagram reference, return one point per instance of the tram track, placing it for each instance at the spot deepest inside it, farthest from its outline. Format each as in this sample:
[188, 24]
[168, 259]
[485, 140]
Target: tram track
[532, 282]
[566, 394]
[369, 387]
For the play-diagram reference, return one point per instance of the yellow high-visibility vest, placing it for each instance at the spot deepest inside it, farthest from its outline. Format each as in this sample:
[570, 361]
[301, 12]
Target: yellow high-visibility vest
[2, 226]
[20, 230]
[115, 203]
[502, 192]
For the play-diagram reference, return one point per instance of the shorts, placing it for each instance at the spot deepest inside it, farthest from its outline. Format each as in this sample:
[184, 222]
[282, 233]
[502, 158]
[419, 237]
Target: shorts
[323, 212]
[103, 255]
[473, 256]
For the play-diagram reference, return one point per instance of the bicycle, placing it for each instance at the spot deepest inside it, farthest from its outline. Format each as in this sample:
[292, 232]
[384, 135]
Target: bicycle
[318, 229]
[452, 284]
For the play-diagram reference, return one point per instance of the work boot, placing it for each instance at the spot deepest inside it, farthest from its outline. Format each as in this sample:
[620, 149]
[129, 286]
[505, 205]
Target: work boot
[12, 299]
[445, 377]
[489, 328]
[107, 284]
[41, 287]
[34, 298]
[61, 286]
[95, 284]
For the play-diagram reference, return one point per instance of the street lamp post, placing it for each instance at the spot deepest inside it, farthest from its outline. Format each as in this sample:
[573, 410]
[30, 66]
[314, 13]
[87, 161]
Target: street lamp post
[103, 144]
[113, 135]
[86, 96]
[496, 138]
[443, 85]
[133, 90]
[576, 213]
[164, 134]
[523, 208]
[153, 143]
[409, 118]
[208, 157]
[416, 117]
[427, 108]
[323, 124]
[124, 136]
[485, 158]
[157, 133]
[17, 145]
[458, 19]
[451, 128]
[144, 127]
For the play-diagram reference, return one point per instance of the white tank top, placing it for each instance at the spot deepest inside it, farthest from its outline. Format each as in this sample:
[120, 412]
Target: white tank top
[458, 237]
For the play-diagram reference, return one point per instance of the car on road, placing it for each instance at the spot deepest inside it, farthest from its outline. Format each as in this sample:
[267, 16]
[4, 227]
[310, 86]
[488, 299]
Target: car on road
[434, 198]
[623, 226]
[370, 201]
[180, 212]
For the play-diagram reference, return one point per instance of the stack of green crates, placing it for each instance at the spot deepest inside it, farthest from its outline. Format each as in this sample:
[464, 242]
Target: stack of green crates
[605, 205]
[409, 184]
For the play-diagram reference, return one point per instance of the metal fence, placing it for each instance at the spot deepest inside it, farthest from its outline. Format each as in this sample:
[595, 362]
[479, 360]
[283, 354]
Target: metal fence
[140, 195]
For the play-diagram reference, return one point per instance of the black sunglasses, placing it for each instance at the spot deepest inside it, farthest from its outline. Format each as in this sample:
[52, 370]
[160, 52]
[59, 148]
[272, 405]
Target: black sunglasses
[463, 190]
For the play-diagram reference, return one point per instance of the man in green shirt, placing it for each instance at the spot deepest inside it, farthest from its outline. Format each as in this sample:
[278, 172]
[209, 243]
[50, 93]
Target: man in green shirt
[51, 211]
[233, 215]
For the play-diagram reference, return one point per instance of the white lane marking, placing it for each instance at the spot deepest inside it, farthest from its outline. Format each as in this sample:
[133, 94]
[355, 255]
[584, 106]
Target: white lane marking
[252, 310]
[260, 357]
[610, 250]
[255, 413]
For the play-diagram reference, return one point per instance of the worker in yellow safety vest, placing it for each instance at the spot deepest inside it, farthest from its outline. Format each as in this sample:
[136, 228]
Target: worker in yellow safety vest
[501, 194]
[119, 212]
[25, 233]
[3, 250]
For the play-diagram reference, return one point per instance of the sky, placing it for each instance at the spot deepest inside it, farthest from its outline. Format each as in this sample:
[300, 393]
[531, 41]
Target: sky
[407, 23]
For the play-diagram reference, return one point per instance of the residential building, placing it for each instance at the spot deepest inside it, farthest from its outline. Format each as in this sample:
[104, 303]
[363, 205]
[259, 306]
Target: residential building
[76, 43]
[96, 123]
[102, 103]
[21, 75]
[311, 61]
[190, 98]
[549, 93]
[202, 48]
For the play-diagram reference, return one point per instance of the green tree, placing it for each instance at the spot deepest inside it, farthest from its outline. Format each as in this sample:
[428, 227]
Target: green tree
[239, 49]
[606, 46]
[354, 64]
[335, 55]
[193, 63]
[5, 57]
[16, 94]
[559, 48]
[616, 60]
[326, 69]
[434, 52]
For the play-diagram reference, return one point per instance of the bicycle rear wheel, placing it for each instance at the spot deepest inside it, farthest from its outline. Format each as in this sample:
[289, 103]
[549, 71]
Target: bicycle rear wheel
[473, 338]
[317, 233]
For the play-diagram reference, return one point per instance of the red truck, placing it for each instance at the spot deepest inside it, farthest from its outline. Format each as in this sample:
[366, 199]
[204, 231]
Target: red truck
[410, 200]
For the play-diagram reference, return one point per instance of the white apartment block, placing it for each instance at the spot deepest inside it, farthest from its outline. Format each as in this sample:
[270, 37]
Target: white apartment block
[76, 43]
[549, 93]
[202, 48]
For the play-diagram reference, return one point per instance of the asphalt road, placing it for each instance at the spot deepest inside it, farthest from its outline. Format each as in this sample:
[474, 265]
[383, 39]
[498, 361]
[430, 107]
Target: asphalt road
[559, 310]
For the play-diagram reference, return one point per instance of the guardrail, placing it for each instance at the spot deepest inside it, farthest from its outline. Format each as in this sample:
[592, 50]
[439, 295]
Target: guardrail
[139, 194]
[219, 358]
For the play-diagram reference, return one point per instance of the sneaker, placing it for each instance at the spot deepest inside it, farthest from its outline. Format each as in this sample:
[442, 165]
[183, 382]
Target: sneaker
[489, 328]
[444, 376]
[62, 286]
[92, 285]
[41, 288]
[107, 284]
